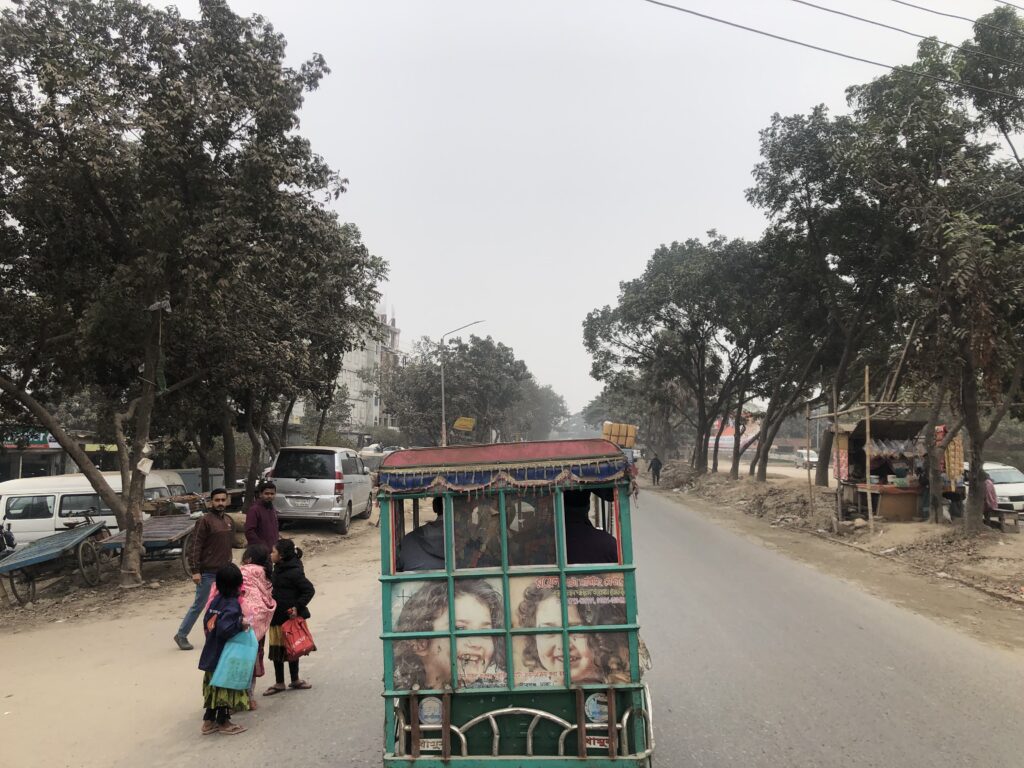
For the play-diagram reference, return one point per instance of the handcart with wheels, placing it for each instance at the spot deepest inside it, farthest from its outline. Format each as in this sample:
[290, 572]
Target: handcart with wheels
[52, 557]
[163, 538]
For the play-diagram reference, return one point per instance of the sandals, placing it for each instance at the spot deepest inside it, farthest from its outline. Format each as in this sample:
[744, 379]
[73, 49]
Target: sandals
[274, 689]
[300, 685]
[230, 729]
[209, 726]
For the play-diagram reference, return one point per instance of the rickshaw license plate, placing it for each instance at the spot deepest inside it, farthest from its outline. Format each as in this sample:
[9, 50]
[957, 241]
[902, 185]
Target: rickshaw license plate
[597, 742]
[301, 501]
[430, 745]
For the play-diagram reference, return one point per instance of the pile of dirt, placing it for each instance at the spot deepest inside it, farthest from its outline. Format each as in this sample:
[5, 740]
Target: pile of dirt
[990, 560]
[780, 503]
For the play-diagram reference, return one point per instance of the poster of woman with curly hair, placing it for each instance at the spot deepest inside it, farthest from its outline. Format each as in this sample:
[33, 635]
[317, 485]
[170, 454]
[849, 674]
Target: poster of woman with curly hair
[423, 607]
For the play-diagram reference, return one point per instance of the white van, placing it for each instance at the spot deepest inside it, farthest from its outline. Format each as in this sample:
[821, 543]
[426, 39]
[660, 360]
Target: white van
[34, 507]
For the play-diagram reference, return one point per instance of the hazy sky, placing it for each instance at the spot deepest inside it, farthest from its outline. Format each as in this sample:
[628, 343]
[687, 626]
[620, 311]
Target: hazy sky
[514, 161]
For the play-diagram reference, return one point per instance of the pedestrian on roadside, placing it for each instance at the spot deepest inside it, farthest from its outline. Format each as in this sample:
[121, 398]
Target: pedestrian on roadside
[209, 549]
[223, 620]
[257, 602]
[991, 497]
[261, 526]
[292, 591]
[655, 466]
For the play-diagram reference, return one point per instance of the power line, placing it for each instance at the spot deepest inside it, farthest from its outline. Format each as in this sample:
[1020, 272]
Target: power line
[968, 19]
[1018, 7]
[908, 32]
[822, 49]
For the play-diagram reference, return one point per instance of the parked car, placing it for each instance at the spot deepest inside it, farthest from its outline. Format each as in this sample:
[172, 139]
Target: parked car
[805, 459]
[317, 482]
[34, 507]
[1009, 483]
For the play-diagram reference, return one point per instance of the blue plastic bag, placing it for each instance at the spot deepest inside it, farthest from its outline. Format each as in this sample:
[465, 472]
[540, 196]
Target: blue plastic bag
[234, 670]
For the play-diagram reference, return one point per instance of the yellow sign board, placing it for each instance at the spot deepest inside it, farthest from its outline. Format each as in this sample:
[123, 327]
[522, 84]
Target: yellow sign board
[464, 424]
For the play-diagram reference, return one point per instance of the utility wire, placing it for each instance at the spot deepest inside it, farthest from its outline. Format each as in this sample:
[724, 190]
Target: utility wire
[1018, 7]
[908, 32]
[968, 19]
[822, 49]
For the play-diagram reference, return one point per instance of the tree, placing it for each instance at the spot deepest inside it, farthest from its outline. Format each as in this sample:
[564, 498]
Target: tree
[152, 178]
[483, 380]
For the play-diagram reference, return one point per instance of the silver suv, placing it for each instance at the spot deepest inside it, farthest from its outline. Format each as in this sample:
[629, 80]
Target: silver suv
[316, 482]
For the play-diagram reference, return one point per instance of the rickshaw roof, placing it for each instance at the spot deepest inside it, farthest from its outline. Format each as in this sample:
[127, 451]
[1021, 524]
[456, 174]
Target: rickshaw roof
[478, 467]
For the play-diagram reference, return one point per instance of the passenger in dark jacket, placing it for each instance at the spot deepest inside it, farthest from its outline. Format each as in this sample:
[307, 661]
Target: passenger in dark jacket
[292, 592]
[583, 542]
[423, 548]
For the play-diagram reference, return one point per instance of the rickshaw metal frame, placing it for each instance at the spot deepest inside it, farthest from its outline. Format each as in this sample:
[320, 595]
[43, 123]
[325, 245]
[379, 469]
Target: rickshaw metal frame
[396, 726]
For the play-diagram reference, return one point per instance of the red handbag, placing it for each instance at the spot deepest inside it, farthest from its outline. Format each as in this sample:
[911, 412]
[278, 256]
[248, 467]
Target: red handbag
[298, 641]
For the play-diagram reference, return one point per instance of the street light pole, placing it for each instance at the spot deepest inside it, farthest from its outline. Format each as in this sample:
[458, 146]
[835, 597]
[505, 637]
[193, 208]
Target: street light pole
[444, 419]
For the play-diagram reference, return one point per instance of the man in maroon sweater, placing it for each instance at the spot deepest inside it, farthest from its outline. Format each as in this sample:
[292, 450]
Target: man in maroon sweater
[208, 549]
[261, 525]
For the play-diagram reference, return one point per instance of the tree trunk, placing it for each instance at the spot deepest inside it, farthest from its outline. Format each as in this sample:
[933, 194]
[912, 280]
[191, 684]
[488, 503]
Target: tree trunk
[253, 427]
[718, 439]
[762, 463]
[824, 458]
[49, 422]
[131, 558]
[204, 445]
[286, 419]
[230, 449]
[322, 423]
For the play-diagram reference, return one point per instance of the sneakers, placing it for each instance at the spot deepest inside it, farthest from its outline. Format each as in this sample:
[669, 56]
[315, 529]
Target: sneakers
[183, 643]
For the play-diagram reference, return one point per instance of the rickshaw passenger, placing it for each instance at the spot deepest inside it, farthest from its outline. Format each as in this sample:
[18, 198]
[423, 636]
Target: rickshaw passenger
[423, 548]
[583, 542]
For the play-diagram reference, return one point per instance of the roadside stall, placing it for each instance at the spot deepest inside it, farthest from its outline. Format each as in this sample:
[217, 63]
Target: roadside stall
[894, 449]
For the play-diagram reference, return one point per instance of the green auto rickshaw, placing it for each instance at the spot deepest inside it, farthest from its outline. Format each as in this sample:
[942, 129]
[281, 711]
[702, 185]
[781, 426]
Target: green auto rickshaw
[509, 607]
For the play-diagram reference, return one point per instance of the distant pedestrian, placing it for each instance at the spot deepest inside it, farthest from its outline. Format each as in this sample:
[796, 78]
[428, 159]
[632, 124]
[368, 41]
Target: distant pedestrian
[292, 591]
[261, 526]
[223, 620]
[655, 466]
[209, 549]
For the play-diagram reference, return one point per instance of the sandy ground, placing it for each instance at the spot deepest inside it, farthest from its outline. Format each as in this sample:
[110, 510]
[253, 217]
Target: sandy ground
[92, 674]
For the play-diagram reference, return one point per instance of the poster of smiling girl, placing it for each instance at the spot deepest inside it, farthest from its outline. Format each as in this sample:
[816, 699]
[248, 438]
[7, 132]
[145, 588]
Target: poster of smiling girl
[591, 600]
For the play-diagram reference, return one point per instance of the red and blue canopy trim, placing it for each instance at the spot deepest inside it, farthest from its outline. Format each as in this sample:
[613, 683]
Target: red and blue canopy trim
[471, 468]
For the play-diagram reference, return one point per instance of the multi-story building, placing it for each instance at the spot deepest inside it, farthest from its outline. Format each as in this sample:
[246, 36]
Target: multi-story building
[361, 375]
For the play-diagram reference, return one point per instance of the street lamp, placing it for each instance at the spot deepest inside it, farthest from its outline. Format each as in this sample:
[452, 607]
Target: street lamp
[444, 420]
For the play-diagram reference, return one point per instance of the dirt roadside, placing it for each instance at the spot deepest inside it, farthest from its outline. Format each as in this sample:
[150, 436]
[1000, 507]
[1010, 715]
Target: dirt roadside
[994, 620]
[88, 676]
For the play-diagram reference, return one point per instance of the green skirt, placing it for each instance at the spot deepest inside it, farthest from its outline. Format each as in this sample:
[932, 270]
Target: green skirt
[214, 697]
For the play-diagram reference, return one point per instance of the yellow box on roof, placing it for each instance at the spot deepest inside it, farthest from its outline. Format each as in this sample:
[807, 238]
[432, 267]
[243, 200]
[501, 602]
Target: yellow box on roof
[623, 435]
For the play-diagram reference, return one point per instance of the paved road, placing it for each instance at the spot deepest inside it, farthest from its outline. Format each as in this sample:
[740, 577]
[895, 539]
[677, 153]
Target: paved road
[763, 661]
[759, 661]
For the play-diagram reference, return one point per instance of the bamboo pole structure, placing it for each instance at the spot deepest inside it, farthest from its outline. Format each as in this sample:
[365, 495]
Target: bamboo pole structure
[867, 448]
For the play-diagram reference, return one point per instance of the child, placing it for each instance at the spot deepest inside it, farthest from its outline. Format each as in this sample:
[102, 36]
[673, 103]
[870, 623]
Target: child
[256, 600]
[292, 592]
[223, 620]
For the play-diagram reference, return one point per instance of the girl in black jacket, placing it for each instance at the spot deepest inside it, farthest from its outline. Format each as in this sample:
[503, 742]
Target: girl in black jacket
[292, 591]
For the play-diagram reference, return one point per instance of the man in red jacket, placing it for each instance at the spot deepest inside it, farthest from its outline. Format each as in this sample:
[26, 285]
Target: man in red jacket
[261, 526]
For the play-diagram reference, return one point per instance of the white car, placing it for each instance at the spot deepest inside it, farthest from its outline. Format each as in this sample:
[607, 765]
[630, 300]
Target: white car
[805, 459]
[1009, 483]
